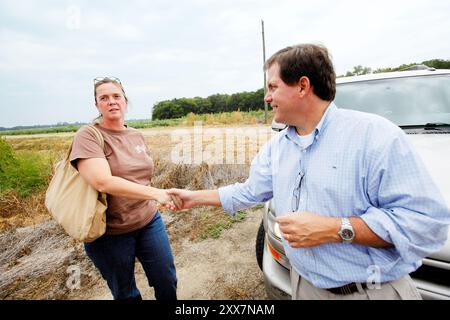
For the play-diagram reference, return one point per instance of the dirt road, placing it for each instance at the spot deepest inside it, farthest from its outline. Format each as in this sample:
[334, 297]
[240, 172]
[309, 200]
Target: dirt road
[223, 268]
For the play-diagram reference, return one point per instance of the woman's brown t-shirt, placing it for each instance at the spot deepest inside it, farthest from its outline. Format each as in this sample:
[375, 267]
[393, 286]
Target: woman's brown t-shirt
[128, 158]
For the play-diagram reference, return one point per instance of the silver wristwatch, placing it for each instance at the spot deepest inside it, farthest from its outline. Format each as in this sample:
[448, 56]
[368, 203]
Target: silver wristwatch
[346, 232]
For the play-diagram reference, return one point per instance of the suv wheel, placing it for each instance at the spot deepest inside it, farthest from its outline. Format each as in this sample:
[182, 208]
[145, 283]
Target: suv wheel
[259, 246]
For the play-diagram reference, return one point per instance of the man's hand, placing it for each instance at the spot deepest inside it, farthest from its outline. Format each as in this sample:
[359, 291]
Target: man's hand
[306, 229]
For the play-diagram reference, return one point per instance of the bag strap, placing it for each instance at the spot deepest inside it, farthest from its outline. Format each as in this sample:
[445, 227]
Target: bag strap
[100, 139]
[97, 134]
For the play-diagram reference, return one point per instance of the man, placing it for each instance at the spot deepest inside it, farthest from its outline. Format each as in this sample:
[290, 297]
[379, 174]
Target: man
[355, 202]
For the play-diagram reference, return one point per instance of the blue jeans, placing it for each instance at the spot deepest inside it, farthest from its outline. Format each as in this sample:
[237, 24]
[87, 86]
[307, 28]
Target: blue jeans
[114, 256]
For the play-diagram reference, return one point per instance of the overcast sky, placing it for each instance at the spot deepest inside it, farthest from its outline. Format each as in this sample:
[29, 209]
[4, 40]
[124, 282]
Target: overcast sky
[50, 51]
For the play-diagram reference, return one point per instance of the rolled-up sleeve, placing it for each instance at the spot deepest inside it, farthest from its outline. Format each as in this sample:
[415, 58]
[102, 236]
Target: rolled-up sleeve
[256, 189]
[408, 209]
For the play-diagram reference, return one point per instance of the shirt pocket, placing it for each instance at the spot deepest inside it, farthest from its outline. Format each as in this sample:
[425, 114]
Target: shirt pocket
[334, 182]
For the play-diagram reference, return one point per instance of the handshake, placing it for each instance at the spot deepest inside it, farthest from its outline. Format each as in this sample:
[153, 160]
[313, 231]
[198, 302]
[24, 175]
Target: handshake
[176, 199]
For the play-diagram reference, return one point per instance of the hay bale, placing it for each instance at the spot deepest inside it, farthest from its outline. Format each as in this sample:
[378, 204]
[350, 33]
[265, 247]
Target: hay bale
[35, 262]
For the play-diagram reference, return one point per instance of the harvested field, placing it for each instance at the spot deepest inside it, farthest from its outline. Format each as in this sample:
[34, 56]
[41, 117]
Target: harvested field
[214, 253]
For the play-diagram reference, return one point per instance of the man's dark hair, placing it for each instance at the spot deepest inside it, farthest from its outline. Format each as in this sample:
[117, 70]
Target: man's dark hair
[307, 60]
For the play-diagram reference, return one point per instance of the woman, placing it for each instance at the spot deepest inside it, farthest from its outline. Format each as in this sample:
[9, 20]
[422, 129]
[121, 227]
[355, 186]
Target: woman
[123, 169]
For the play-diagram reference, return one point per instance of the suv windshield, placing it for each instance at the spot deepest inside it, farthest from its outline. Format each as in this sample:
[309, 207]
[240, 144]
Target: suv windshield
[407, 101]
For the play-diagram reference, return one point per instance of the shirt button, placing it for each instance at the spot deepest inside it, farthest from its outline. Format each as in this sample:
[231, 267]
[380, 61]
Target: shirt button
[304, 150]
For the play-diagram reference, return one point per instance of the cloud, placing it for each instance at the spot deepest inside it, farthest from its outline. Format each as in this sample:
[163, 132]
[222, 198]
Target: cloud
[51, 50]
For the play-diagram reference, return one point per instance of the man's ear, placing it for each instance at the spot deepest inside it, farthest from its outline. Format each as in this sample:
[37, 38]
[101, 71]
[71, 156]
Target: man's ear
[303, 85]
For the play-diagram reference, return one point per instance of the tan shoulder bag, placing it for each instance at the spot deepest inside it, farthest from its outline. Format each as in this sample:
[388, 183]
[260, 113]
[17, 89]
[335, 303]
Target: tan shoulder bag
[73, 203]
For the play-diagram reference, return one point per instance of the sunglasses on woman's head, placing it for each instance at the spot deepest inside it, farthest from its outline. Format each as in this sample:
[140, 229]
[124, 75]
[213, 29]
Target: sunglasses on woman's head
[98, 79]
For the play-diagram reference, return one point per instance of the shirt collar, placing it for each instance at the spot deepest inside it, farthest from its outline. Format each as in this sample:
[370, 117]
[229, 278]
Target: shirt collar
[291, 132]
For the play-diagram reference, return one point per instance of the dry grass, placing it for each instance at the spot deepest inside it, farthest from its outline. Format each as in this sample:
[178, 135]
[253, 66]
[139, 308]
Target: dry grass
[202, 222]
[16, 212]
[237, 118]
[37, 253]
[235, 286]
[56, 146]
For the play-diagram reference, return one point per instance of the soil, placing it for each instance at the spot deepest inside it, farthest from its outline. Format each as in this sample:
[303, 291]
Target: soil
[40, 262]
[223, 268]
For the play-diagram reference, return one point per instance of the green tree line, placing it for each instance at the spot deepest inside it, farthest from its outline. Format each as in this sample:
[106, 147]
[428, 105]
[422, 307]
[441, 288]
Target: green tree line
[177, 108]
[254, 100]
[433, 63]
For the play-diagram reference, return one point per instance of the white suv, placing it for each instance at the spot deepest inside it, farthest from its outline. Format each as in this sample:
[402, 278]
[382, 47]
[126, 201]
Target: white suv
[418, 102]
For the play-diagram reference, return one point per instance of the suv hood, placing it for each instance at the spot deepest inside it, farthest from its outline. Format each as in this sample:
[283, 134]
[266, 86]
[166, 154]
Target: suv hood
[434, 149]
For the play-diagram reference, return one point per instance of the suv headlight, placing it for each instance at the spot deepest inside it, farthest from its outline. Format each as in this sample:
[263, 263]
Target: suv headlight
[276, 229]
[273, 225]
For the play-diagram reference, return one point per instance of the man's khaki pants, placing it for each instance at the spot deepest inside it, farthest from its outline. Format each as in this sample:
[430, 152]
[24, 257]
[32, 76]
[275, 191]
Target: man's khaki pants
[401, 289]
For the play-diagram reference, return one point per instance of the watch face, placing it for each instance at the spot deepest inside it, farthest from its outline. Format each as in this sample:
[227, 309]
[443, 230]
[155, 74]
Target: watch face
[347, 234]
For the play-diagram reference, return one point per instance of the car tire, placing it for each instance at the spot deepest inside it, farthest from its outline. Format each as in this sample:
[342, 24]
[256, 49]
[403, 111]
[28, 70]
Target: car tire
[259, 246]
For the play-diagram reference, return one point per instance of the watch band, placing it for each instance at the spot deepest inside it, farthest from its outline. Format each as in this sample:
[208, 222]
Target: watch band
[345, 222]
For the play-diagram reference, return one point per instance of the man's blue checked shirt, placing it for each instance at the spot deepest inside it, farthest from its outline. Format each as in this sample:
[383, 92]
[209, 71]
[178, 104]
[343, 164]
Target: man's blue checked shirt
[358, 164]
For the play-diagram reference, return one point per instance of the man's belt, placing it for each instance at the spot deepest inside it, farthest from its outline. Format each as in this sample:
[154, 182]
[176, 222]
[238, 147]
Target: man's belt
[347, 289]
